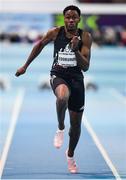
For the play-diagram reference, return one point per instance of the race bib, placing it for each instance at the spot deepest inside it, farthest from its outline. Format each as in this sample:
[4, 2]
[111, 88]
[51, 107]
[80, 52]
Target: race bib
[67, 59]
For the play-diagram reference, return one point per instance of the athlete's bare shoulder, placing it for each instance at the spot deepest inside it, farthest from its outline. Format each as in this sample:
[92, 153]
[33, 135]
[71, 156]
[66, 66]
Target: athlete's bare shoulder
[49, 36]
[52, 33]
[86, 35]
[86, 38]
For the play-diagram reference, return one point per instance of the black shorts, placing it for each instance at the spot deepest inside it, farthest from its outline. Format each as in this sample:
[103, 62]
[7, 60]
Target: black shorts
[77, 91]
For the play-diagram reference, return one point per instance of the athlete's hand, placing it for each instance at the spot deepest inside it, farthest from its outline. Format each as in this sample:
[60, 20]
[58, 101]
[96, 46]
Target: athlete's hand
[20, 71]
[74, 43]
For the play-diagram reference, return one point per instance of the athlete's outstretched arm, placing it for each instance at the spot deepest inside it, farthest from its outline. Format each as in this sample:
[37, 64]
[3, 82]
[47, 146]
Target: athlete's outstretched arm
[83, 57]
[48, 37]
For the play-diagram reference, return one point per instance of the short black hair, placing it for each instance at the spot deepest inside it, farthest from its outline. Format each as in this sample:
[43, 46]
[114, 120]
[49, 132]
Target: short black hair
[72, 7]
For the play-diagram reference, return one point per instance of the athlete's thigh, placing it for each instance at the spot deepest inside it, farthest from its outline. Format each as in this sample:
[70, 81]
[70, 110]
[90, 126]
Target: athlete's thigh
[77, 96]
[59, 86]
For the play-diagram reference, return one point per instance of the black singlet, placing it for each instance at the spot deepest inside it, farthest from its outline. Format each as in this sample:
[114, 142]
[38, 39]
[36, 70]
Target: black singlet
[65, 64]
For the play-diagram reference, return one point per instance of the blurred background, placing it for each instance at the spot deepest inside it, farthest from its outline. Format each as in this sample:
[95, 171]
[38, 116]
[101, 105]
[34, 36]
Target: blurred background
[23, 23]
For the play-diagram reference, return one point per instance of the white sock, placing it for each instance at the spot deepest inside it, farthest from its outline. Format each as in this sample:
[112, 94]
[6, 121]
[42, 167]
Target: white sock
[60, 130]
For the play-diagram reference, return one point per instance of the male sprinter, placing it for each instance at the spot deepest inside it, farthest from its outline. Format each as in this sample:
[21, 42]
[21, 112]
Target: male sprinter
[72, 49]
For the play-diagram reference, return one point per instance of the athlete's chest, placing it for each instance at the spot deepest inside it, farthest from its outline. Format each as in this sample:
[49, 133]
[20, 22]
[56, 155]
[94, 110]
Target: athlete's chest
[61, 42]
[64, 54]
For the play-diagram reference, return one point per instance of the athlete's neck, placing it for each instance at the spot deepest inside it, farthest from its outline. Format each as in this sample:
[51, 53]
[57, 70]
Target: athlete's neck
[71, 33]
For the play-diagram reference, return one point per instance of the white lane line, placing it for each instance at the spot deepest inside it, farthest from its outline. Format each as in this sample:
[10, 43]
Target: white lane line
[101, 148]
[14, 117]
[118, 95]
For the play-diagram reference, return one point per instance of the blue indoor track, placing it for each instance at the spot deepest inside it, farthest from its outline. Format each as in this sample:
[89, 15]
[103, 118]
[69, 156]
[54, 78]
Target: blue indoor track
[28, 118]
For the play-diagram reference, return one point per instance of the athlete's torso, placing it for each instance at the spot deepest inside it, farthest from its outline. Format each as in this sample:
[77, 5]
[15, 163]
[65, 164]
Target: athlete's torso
[65, 63]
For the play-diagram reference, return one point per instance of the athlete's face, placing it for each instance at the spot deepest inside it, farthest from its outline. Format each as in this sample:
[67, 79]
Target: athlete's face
[71, 20]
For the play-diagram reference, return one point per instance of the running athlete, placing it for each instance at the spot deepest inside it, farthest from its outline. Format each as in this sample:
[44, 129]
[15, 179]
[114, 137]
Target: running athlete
[72, 49]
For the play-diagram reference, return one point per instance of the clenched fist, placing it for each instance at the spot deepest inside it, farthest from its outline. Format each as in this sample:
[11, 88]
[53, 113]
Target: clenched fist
[74, 43]
[20, 71]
